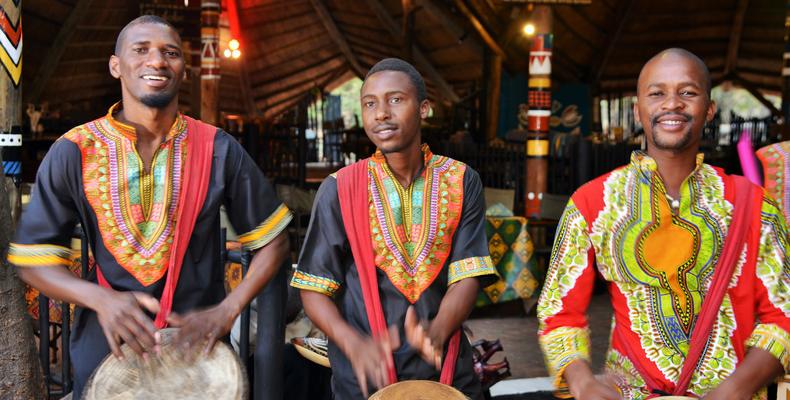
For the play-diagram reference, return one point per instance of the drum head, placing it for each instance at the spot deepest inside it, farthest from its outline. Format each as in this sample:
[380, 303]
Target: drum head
[418, 390]
[674, 398]
[220, 375]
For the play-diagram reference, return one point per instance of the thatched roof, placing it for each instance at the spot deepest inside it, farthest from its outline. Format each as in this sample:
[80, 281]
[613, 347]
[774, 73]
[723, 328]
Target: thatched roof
[291, 46]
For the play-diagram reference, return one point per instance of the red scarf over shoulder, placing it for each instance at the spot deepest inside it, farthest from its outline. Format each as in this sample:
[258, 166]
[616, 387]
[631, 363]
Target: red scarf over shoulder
[196, 174]
[352, 191]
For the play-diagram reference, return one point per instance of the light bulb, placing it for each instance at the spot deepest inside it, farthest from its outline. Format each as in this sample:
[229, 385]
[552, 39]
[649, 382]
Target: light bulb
[529, 29]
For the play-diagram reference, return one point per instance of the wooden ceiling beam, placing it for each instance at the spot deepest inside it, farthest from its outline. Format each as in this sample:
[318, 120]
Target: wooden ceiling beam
[57, 49]
[277, 96]
[753, 89]
[281, 44]
[302, 75]
[285, 70]
[439, 13]
[575, 10]
[623, 16]
[276, 110]
[735, 37]
[334, 33]
[489, 40]
[581, 38]
[422, 62]
[371, 47]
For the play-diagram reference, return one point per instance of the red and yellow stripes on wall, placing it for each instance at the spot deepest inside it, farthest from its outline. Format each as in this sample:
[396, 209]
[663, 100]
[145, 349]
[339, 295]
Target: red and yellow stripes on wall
[538, 118]
[11, 38]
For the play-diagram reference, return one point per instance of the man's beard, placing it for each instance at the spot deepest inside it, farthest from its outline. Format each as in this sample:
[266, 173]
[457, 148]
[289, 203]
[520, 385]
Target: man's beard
[676, 145]
[158, 100]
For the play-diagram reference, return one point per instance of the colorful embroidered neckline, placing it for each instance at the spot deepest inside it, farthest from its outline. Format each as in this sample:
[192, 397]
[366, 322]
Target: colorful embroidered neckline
[135, 209]
[412, 227]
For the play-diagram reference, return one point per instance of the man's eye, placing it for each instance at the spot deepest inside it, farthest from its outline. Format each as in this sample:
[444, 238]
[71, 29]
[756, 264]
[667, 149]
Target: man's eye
[172, 54]
[688, 93]
[395, 100]
[369, 104]
[654, 94]
[139, 50]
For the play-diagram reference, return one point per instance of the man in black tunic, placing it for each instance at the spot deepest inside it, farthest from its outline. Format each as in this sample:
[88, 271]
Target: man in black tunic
[133, 180]
[426, 216]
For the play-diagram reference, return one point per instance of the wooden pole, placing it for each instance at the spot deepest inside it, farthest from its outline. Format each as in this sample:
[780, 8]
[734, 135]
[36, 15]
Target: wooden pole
[408, 29]
[494, 80]
[209, 61]
[20, 370]
[539, 112]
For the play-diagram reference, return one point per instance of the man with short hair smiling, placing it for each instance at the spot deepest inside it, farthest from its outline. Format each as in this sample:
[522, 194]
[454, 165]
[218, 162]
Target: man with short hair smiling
[146, 183]
[413, 247]
[696, 263]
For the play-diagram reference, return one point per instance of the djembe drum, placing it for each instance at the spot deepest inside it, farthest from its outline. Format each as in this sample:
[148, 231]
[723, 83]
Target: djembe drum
[219, 375]
[418, 390]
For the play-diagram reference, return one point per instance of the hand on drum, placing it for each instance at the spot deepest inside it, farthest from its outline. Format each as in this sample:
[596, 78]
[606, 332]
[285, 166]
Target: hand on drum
[201, 328]
[122, 319]
[597, 388]
[425, 337]
[371, 357]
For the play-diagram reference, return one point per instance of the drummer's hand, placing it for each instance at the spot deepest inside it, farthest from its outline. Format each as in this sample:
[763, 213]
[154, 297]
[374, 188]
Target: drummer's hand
[596, 389]
[199, 327]
[428, 341]
[584, 385]
[370, 358]
[728, 390]
[122, 320]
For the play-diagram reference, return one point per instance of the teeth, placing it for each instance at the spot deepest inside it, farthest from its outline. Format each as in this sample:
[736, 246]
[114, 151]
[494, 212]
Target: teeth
[154, 78]
[671, 122]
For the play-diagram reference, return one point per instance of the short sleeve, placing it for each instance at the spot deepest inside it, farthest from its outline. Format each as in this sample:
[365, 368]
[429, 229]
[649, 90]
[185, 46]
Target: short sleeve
[772, 288]
[43, 236]
[250, 200]
[470, 257]
[322, 263]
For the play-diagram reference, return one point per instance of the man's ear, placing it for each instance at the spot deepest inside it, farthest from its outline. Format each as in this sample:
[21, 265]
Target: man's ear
[115, 67]
[425, 108]
[711, 111]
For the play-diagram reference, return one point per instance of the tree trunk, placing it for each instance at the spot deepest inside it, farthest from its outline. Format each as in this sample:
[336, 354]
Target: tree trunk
[20, 371]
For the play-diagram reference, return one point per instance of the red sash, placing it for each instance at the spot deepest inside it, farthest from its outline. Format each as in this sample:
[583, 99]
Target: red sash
[352, 192]
[196, 174]
[747, 205]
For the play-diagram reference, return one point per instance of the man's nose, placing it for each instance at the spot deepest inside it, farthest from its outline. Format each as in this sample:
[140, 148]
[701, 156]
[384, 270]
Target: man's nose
[383, 112]
[155, 59]
[673, 102]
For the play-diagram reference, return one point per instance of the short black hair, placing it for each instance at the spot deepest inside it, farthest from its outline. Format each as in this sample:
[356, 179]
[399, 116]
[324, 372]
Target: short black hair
[396, 64]
[143, 19]
[690, 56]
